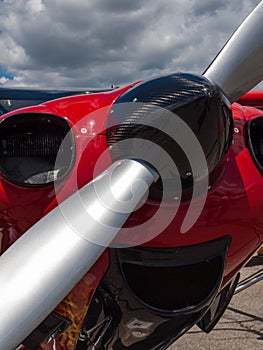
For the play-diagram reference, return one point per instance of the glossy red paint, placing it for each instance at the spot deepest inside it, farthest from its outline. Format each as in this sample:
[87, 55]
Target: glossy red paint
[21, 207]
[252, 98]
[233, 205]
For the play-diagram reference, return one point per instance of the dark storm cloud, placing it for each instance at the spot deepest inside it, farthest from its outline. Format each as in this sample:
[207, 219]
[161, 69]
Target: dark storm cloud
[100, 42]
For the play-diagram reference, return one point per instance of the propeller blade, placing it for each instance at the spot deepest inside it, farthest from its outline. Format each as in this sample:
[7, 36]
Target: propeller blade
[43, 265]
[239, 65]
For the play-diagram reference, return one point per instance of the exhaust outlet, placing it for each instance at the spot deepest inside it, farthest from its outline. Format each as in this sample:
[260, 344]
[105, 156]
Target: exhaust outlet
[42, 267]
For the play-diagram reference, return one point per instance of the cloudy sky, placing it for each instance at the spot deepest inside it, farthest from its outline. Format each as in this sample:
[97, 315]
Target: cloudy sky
[96, 43]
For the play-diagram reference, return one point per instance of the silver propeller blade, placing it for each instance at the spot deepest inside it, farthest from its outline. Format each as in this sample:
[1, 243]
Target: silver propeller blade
[239, 65]
[43, 265]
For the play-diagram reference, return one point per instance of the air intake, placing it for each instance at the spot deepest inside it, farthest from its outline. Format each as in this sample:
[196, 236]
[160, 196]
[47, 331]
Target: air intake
[35, 148]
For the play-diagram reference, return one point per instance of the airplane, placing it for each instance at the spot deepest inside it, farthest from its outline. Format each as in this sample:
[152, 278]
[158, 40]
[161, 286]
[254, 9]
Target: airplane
[127, 214]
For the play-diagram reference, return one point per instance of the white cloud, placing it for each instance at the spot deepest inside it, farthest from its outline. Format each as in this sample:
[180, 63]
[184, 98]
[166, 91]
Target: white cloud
[3, 80]
[100, 42]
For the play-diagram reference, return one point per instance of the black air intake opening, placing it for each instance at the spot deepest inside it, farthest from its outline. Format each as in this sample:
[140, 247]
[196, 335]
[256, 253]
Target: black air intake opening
[35, 148]
[177, 280]
[255, 141]
[178, 287]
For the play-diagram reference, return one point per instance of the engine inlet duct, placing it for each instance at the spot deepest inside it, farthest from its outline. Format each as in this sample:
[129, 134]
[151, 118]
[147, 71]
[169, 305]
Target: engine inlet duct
[29, 147]
[61, 248]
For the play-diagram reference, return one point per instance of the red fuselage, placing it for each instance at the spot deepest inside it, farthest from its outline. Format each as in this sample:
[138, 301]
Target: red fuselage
[233, 206]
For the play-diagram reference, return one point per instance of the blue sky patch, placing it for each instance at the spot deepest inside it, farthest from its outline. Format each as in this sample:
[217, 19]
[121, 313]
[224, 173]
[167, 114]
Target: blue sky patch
[5, 74]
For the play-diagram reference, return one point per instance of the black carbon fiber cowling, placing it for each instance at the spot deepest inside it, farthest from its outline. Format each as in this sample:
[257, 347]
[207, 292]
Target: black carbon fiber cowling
[199, 104]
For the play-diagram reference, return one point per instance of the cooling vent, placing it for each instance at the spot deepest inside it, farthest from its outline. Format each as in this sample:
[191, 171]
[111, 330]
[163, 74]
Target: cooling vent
[30, 146]
[255, 141]
[175, 280]
[35, 149]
